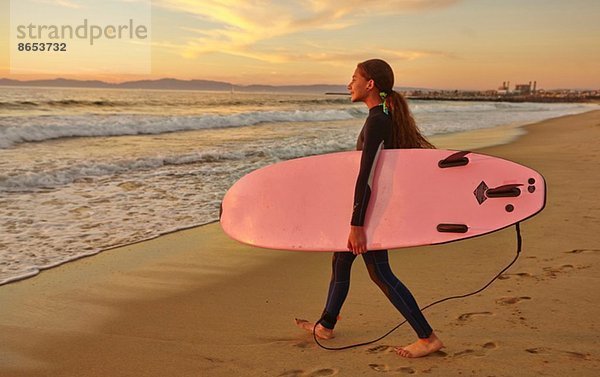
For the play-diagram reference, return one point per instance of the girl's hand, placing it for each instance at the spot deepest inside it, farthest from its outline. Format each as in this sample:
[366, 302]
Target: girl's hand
[357, 240]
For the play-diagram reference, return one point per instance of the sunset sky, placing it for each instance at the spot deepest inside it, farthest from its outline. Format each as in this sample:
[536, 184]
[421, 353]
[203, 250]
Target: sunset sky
[450, 44]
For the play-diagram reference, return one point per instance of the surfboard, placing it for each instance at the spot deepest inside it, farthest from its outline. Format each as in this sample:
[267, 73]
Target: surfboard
[419, 197]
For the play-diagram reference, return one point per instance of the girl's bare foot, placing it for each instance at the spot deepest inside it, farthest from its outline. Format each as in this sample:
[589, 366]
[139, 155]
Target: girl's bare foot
[320, 331]
[421, 347]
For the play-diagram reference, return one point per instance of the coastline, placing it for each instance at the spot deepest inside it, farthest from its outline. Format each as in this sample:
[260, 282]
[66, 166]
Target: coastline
[465, 140]
[194, 302]
[480, 138]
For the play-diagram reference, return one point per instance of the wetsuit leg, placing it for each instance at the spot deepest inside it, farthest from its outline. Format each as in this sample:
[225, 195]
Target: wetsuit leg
[338, 287]
[381, 273]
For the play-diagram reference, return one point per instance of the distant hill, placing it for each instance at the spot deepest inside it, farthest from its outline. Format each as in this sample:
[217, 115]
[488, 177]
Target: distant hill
[176, 84]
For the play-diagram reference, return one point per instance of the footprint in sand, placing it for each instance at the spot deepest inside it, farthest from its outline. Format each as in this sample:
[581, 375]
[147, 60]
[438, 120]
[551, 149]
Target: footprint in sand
[537, 350]
[522, 275]
[390, 349]
[579, 251]
[464, 353]
[467, 316]
[323, 372]
[478, 352]
[553, 272]
[385, 368]
[578, 355]
[490, 345]
[570, 354]
[511, 300]
[379, 367]
[303, 344]
[380, 349]
[315, 373]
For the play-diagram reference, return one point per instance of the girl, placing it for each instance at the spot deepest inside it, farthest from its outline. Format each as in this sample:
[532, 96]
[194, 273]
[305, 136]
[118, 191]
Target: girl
[388, 125]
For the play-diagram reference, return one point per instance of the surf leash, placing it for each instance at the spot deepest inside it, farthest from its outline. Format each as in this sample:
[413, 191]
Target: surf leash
[519, 244]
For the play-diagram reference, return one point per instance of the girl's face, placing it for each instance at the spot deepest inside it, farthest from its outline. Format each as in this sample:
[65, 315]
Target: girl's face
[359, 86]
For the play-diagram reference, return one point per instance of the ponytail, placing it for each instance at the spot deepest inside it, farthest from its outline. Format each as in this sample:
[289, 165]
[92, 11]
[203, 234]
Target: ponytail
[406, 134]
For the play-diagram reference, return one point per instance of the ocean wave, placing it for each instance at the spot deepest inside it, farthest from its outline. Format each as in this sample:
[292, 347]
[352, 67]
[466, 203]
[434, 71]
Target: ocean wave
[34, 180]
[124, 105]
[41, 128]
[421, 107]
[15, 182]
[28, 105]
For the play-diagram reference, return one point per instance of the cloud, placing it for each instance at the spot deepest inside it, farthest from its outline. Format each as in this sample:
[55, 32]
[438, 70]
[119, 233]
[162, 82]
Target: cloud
[237, 26]
[339, 58]
[416, 54]
[63, 3]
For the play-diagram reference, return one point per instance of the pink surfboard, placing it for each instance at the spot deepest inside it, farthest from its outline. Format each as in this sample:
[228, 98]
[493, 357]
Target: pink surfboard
[419, 197]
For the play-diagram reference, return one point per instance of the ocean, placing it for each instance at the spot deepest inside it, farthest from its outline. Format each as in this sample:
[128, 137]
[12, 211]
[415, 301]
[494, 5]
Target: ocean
[83, 170]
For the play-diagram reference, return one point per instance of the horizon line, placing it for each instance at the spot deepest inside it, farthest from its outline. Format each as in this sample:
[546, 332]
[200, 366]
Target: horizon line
[231, 85]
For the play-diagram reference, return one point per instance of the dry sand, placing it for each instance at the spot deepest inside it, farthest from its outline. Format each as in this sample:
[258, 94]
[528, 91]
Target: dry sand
[195, 303]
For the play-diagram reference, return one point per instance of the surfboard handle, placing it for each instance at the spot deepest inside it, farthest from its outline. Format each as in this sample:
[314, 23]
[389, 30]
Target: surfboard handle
[506, 191]
[452, 228]
[455, 159]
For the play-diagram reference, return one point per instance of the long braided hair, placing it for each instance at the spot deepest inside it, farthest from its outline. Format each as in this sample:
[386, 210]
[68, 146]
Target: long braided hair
[406, 134]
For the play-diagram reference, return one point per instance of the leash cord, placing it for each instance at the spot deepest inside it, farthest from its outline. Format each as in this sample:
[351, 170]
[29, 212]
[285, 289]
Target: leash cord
[519, 244]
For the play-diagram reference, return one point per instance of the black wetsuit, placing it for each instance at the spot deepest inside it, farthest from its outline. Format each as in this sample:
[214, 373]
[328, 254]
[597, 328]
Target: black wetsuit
[375, 135]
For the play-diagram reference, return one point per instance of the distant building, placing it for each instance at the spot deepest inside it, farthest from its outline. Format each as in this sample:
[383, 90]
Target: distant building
[520, 89]
[503, 90]
[526, 89]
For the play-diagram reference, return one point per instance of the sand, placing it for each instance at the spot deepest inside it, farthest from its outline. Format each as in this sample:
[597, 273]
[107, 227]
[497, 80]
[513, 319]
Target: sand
[195, 303]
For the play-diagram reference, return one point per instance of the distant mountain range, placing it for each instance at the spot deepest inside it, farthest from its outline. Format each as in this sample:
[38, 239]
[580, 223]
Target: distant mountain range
[175, 84]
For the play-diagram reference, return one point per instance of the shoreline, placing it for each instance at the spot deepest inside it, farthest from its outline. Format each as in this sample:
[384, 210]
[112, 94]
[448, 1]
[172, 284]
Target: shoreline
[481, 138]
[467, 140]
[83, 256]
[472, 139]
[194, 302]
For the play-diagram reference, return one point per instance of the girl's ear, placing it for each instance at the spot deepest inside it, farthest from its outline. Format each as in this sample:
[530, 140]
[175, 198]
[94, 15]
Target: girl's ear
[370, 84]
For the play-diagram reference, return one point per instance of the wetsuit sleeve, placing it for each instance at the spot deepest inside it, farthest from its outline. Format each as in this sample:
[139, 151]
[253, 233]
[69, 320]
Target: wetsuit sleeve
[372, 145]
